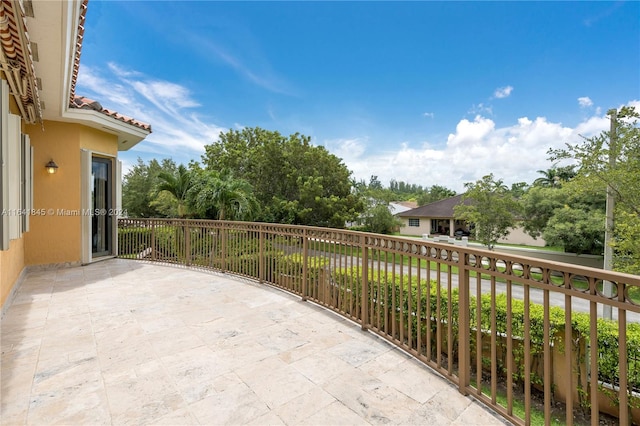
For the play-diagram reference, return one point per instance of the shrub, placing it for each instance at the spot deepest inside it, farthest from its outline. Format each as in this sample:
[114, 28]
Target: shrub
[394, 293]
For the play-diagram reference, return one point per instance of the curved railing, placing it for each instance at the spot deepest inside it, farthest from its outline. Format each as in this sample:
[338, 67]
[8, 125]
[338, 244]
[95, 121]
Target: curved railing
[495, 325]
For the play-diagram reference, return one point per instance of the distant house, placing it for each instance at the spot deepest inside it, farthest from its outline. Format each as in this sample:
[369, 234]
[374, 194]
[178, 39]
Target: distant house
[396, 207]
[59, 168]
[434, 218]
[437, 218]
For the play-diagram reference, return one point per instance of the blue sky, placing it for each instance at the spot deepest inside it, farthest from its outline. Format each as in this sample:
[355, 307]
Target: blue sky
[422, 92]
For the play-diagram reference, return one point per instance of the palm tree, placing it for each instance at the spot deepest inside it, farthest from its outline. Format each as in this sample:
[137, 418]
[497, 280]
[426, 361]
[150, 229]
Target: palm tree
[177, 184]
[224, 196]
[553, 177]
[549, 178]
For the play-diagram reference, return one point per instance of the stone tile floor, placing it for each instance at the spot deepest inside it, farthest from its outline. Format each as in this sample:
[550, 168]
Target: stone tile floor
[124, 342]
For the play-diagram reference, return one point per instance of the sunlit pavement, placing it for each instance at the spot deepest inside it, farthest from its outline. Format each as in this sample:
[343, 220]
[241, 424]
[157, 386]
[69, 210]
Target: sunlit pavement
[125, 342]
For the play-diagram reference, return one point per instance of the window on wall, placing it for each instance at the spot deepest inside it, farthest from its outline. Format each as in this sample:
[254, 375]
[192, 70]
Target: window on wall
[414, 222]
[16, 188]
[4, 175]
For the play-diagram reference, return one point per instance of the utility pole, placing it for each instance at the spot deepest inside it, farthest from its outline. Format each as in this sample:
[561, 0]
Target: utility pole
[608, 230]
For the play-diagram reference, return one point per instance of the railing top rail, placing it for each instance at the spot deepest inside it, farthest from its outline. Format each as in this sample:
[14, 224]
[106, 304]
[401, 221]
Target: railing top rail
[412, 246]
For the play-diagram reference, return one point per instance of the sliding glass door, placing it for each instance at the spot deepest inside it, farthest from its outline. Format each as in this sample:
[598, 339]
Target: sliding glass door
[102, 206]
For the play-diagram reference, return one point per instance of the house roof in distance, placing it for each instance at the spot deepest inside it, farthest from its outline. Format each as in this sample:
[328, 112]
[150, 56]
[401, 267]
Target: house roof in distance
[442, 209]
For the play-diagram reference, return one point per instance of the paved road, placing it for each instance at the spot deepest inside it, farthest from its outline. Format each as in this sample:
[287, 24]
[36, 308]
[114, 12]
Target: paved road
[535, 295]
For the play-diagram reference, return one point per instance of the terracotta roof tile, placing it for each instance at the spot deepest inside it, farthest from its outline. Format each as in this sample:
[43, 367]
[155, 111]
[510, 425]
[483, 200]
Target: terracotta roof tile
[82, 102]
[78, 52]
[19, 66]
[20, 62]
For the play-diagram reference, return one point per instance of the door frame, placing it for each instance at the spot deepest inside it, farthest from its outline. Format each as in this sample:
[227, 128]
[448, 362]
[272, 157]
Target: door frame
[87, 207]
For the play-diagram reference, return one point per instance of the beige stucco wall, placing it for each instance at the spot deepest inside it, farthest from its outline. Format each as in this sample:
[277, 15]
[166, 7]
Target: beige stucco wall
[11, 265]
[98, 141]
[12, 260]
[519, 236]
[55, 236]
[424, 228]
[516, 235]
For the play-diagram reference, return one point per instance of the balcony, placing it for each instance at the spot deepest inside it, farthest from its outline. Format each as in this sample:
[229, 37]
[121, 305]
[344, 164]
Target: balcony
[127, 342]
[384, 314]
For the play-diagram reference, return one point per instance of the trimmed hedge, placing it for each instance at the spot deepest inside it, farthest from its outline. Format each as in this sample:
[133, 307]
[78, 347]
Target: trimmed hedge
[395, 293]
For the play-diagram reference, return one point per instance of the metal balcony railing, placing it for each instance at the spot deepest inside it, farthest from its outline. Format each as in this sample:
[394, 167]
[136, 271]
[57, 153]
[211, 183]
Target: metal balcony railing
[521, 335]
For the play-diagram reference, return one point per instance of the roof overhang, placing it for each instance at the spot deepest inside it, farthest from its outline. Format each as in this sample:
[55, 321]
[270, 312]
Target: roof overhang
[54, 31]
[128, 135]
[17, 59]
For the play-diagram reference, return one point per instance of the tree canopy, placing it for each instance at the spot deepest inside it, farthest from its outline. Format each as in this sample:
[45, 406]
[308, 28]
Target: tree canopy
[221, 196]
[612, 159]
[490, 206]
[139, 189]
[177, 184]
[293, 180]
[569, 215]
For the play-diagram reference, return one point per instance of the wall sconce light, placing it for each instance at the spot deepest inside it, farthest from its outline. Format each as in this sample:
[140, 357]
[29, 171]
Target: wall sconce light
[51, 167]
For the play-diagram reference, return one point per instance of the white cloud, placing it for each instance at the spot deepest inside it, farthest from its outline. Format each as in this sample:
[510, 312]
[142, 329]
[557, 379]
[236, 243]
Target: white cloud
[585, 102]
[480, 109]
[178, 131]
[347, 147]
[247, 63]
[429, 114]
[503, 92]
[476, 148]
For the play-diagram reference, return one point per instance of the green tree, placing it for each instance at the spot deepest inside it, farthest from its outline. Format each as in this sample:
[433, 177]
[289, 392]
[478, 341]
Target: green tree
[490, 206]
[164, 204]
[433, 194]
[139, 188]
[221, 197]
[569, 215]
[577, 230]
[374, 183]
[176, 184]
[622, 176]
[380, 220]
[294, 181]
[627, 243]
[554, 176]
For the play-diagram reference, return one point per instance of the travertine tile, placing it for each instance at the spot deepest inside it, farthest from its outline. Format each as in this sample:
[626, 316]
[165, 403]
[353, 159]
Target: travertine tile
[335, 413]
[237, 404]
[372, 399]
[124, 342]
[181, 416]
[141, 399]
[356, 352]
[304, 406]
[193, 371]
[425, 415]
[323, 367]
[84, 403]
[447, 403]
[384, 362]
[268, 419]
[475, 414]
[174, 340]
[63, 372]
[420, 387]
[281, 387]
